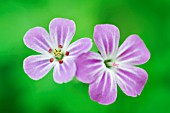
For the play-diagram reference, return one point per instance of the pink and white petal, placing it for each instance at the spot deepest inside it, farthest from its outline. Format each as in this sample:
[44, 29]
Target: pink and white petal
[62, 31]
[133, 51]
[106, 38]
[104, 89]
[89, 67]
[131, 79]
[37, 39]
[80, 46]
[64, 72]
[37, 66]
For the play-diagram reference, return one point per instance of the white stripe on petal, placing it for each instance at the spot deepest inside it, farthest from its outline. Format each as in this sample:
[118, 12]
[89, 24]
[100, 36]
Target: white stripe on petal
[105, 82]
[66, 43]
[124, 67]
[124, 49]
[103, 52]
[47, 40]
[130, 53]
[55, 41]
[99, 80]
[129, 61]
[126, 76]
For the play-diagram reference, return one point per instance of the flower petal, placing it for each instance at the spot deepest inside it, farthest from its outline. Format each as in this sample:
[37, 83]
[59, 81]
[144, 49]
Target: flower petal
[89, 67]
[37, 66]
[106, 38]
[133, 51]
[131, 79]
[37, 39]
[64, 72]
[104, 89]
[82, 45]
[62, 31]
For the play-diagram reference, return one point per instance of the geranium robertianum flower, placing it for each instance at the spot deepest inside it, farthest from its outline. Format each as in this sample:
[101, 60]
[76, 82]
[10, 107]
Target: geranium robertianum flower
[55, 50]
[113, 65]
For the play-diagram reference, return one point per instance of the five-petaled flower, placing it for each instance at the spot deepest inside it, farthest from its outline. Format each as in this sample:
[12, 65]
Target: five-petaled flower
[55, 50]
[113, 66]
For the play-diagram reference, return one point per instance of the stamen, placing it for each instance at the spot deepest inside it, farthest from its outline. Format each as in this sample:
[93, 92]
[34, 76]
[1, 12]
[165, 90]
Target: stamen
[115, 65]
[67, 53]
[107, 63]
[51, 59]
[50, 50]
[60, 61]
[99, 52]
[60, 46]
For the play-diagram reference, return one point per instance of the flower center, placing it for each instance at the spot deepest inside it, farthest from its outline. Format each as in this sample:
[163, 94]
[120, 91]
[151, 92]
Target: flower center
[109, 63]
[58, 54]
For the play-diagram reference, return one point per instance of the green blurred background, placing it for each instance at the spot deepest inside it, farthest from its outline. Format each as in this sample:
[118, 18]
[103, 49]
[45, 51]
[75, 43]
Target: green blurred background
[19, 94]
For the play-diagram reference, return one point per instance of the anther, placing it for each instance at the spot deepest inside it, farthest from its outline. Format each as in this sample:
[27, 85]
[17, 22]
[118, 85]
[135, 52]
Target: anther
[116, 65]
[51, 59]
[50, 50]
[60, 61]
[60, 46]
[67, 53]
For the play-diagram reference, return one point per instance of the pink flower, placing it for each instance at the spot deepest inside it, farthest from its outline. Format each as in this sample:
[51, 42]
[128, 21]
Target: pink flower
[113, 66]
[55, 50]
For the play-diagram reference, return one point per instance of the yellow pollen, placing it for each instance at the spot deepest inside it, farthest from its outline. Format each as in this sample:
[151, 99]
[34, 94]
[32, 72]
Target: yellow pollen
[57, 53]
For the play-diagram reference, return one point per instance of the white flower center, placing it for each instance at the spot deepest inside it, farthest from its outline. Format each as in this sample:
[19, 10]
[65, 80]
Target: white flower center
[58, 54]
[109, 63]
